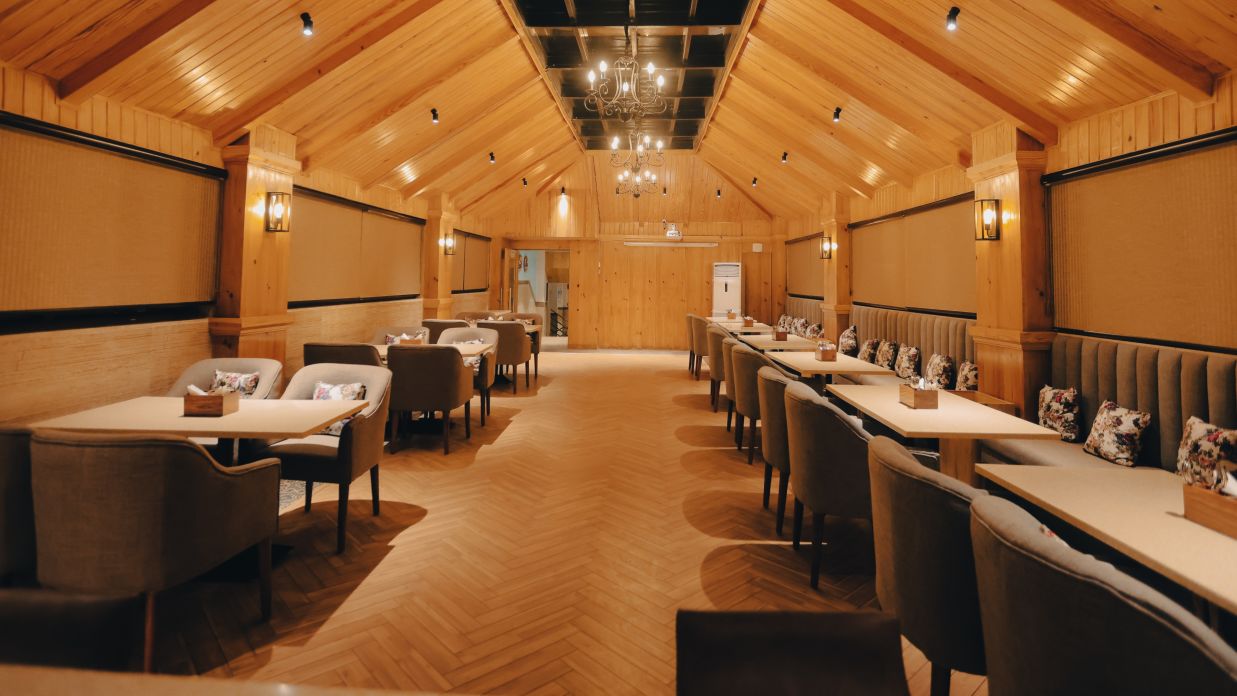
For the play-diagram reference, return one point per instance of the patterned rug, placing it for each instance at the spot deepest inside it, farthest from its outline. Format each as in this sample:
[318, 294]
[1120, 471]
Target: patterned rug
[292, 493]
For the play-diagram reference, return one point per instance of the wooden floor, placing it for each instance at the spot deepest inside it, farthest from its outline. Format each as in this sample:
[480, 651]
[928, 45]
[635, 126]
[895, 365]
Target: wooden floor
[546, 555]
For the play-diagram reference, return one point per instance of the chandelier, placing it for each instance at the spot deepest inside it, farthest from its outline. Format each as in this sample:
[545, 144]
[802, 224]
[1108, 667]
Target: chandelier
[642, 151]
[636, 182]
[624, 90]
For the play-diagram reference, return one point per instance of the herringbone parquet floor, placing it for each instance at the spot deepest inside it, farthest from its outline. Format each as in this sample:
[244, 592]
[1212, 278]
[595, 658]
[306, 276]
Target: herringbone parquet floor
[546, 555]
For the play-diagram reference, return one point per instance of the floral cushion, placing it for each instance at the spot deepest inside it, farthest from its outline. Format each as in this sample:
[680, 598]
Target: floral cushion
[783, 322]
[868, 352]
[1207, 456]
[848, 342]
[799, 326]
[422, 333]
[243, 382]
[907, 365]
[939, 374]
[1116, 434]
[886, 354]
[1058, 409]
[813, 331]
[968, 376]
[338, 392]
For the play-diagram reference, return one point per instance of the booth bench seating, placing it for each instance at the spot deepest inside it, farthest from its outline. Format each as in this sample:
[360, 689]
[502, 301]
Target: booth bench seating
[930, 333]
[1171, 384]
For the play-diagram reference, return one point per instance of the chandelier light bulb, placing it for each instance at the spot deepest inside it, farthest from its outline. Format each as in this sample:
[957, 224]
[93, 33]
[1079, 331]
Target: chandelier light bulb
[614, 143]
[660, 81]
[626, 87]
[659, 146]
[640, 147]
[653, 177]
[592, 77]
[646, 140]
[603, 67]
[649, 68]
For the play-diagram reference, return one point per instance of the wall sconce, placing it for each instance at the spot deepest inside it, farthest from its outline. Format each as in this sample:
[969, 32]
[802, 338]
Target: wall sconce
[278, 211]
[447, 242]
[987, 220]
[827, 245]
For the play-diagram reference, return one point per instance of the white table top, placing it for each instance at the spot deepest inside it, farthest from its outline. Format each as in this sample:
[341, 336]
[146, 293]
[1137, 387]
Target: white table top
[1138, 512]
[737, 327]
[255, 418]
[468, 350]
[805, 363]
[766, 343]
[954, 417]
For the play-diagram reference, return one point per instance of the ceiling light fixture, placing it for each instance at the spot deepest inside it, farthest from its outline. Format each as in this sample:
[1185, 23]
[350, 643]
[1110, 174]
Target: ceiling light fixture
[434, 116]
[491, 158]
[307, 24]
[642, 151]
[951, 19]
[719, 193]
[784, 156]
[524, 180]
[625, 89]
[753, 182]
[664, 192]
[837, 114]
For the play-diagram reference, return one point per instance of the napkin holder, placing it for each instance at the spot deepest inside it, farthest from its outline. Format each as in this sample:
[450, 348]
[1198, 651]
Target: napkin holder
[213, 404]
[1211, 510]
[826, 354]
[913, 397]
[414, 341]
[748, 322]
[779, 335]
[731, 315]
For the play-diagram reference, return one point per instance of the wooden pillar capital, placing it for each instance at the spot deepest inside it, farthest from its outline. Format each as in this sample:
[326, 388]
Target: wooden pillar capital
[436, 264]
[835, 309]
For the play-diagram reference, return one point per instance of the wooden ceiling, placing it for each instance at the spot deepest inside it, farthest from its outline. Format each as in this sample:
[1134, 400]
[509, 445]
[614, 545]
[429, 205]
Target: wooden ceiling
[504, 77]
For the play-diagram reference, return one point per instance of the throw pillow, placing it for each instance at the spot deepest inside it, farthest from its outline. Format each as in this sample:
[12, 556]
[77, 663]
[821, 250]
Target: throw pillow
[1207, 456]
[907, 366]
[799, 327]
[968, 376]
[392, 339]
[783, 322]
[868, 352]
[939, 374]
[1058, 409]
[813, 331]
[848, 342]
[886, 354]
[338, 392]
[243, 382]
[1116, 434]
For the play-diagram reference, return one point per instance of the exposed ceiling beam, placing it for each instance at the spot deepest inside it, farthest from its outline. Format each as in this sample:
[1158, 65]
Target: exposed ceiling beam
[354, 43]
[1180, 72]
[84, 82]
[1030, 119]
[517, 23]
[736, 47]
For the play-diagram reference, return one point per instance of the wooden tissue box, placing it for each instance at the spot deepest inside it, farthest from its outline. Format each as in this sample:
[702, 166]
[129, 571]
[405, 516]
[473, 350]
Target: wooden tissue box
[827, 354]
[917, 398]
[410, 342]
[1211, 510]
[748, 322]
[779, 335]
[731, 315]
[213, 405]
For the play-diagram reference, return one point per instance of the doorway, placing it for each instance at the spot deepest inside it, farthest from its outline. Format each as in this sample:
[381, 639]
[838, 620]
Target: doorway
[542, 282]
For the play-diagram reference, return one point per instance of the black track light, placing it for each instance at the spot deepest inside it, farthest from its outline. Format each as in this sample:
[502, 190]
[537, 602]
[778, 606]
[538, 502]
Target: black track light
[434, 116]
[524, 180]
[784, 156]
[663, 191]
[307, 24]
[562, 190]
[491, 158]
[837, 114]
[719, 193]
[753, 182]
[951, 19]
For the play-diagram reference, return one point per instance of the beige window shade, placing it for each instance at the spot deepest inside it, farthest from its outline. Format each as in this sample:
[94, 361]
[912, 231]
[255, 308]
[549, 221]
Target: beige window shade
[390, 256]
[1148, 251]
[476, 263]
[82, 227]
[457, 265]
[805, 271]
[925, 260]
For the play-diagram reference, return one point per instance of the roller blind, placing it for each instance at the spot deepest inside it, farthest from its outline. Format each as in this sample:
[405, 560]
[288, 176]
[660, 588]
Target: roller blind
[83, 227]
[1148, 251]
[925, 260]
[390, 256]
[471, 268]
[805, 271]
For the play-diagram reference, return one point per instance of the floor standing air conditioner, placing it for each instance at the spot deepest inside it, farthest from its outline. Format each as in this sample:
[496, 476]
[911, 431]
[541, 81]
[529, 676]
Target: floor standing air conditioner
[727, 288]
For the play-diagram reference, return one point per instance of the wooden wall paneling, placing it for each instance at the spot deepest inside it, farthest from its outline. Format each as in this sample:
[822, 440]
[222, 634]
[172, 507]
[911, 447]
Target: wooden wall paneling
[512, 191]
[438, 267]
[929, 187]
[729, 169]
[344, 186]
[514, 151]
[690, 188]
[346, 323]
[584, 296]
[471, 302]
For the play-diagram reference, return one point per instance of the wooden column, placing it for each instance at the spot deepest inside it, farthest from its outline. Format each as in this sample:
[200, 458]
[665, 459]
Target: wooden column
[835, 309]
[436, 264]
[251, 308]
[1013, 330]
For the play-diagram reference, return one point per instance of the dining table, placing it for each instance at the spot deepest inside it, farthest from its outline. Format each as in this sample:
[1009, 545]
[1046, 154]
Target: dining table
[468, 350]
[768, 342]
[805, 363]
[737, 327]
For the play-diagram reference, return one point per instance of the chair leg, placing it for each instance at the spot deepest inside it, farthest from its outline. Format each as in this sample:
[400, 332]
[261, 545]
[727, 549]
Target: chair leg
[309, 495]
[341, 529]
[526, 382]
[714, 394]
[482, 405]
[537, 365]
[729, 413]
[515, 380]
[939, 684]
[691, 360]
[468, 419]
[148, 635]
[818, 539]
[264, 577]
[796, 529]
[782, 480]
[751, 441]
[738, 431]
[696, 371]
[446, 432]
[768, 483]
[373, 487]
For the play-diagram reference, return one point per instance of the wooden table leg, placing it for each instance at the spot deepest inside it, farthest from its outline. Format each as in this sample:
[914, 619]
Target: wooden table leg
[958, 457]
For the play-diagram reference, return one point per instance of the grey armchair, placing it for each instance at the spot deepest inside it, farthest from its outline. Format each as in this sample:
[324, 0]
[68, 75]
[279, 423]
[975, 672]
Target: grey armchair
[479, 316]
[728, 346]
[829, 461]
[700, 342]
[691, 343]
[1057, 621]
[514, 348]
[16, 507]
[774, 449]
[483, 374]
[925, 570]
[201, 374]
[430, 378]
[342, 354]
[745, 363]
[339, 460]
[533, 338]
[437, 326]
[137, 514]
[380, 336]
[714, 335]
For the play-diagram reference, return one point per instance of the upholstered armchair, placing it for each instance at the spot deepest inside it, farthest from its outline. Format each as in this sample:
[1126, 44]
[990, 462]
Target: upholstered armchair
[728, 346]
[201, 374]
[430, 379]
[714, 335]
[437, 326]
[774, 449]
[691, 343]
[745, 363]
[16, 507]
[700, 342]
[483, 375]
[137, 514]
[323, 458]
[342, 353]
[1060, 621]
[380, 336]
[533, 338]
[514, 348]
[925, 571]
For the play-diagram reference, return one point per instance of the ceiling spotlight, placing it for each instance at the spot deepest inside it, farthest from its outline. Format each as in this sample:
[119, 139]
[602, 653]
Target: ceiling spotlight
[753, 182]
[784, 156]
[719, 193]
[307, 24]
[837, 114]
[524, 180]
[951, 19]
[491, 158]
[434, 116]
[663, 191]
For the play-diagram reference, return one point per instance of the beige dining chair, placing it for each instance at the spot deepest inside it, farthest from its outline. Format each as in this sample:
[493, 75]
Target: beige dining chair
[201, 374]
[728, 346]
[514, 348]
[342, 354]
[483, 373]
[1059, 621]
[745, 363]
[774, 449]
[437, 326]
[533, 338]
[691, 342]
[700, 342]
[137, 514]
[325, 458]
[717, 364]
[430, 379]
